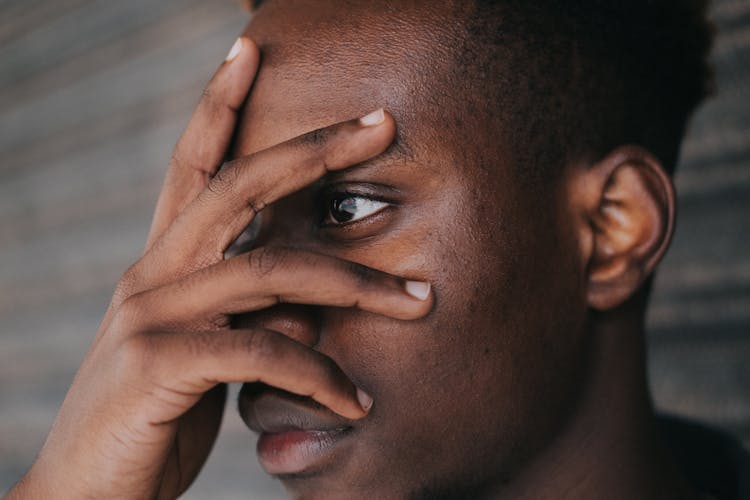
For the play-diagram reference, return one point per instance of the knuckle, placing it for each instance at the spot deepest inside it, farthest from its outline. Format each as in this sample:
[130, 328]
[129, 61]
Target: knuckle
[176, 162]
[328, 147]
[264, 260]
[324, 376]
[197, 343]
[130, 312]
[121, 294]
[233, 178]
[208, 97]
[317, 138]
[215, 101]
[223, 181]
[128, 282]
[322, 146]
[180, 163]
[329, 369]
[260, 345]
[184, 159]
[219, 322]
[362, 275]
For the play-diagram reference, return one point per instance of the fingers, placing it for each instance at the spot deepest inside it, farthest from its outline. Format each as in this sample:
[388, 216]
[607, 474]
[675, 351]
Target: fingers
[189, 364]
[201, 149]
[267, 276]
[247, 185]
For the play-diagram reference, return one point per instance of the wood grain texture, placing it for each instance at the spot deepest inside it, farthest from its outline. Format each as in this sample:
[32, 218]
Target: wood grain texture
[93, 94]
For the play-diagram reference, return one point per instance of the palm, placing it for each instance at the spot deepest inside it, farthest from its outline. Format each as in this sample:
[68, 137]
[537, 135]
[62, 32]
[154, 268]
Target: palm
[196, 434]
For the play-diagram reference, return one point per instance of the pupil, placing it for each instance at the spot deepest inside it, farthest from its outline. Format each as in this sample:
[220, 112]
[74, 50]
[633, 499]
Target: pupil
[344, 209]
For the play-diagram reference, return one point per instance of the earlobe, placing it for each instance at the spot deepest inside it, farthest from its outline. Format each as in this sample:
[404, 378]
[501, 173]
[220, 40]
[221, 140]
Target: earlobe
[630, 217]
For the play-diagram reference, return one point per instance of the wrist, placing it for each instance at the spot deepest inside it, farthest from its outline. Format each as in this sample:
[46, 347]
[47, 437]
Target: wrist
[37, 483]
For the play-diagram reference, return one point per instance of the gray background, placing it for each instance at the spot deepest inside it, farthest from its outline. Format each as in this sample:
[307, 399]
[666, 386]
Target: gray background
[93, 95]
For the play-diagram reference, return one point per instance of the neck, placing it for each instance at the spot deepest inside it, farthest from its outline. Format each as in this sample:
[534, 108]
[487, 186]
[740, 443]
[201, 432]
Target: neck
[611, 447]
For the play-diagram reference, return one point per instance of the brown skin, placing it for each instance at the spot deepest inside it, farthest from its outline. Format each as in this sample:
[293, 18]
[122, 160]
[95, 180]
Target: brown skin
[521, 376]
[145, 406]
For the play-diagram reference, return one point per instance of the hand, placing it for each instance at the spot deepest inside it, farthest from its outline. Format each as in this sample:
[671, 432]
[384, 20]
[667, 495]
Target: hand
[145, 406]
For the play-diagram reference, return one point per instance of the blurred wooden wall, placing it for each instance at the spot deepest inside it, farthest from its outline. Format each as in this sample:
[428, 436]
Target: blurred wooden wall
[94, 93]
[700, 316]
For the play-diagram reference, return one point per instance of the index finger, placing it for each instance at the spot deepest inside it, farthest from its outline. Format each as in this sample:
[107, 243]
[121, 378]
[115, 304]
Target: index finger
[201, 149]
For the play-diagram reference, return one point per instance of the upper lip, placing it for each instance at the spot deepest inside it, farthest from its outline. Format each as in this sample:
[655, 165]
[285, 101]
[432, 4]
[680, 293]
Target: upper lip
[268, 410]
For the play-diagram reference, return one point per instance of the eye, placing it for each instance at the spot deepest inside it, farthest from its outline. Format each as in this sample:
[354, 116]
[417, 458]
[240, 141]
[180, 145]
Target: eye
[343, 208]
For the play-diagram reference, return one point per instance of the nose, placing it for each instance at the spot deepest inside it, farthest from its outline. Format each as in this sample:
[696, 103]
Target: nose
[299, 322]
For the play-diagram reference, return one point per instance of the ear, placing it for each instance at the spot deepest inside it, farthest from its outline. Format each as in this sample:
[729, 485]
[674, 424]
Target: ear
[626, 210]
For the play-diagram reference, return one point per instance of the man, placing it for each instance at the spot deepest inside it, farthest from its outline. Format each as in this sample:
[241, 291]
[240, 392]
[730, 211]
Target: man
[443, 298]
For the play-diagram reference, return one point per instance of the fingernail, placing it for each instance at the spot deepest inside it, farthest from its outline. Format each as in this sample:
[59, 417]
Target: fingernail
[374, 118]
[235, 50]
[418, 289]
[365, 401]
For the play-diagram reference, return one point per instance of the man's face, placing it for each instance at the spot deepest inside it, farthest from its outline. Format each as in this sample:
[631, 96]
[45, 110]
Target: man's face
[465, 395]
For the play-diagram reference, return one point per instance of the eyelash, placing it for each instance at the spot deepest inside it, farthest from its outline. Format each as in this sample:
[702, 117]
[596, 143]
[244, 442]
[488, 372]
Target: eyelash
[375, 206]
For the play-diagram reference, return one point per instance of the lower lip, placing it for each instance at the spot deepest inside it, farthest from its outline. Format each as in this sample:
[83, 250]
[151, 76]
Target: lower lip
[295, 452]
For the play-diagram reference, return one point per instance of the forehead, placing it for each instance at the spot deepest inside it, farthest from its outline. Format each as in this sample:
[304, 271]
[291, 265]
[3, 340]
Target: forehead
[327, 61]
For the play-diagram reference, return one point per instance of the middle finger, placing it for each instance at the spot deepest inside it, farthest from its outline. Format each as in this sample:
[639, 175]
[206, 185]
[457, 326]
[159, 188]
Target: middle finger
[267, 276]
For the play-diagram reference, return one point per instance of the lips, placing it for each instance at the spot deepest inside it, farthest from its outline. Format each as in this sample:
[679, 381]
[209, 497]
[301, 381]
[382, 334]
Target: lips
[297, 435]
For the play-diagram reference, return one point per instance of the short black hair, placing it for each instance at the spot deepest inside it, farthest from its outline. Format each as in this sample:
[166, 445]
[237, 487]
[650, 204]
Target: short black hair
[578, 78]
[571, 80]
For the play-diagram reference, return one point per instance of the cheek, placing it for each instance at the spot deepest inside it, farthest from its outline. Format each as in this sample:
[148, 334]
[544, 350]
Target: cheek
[494, 366]
[516, 310]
